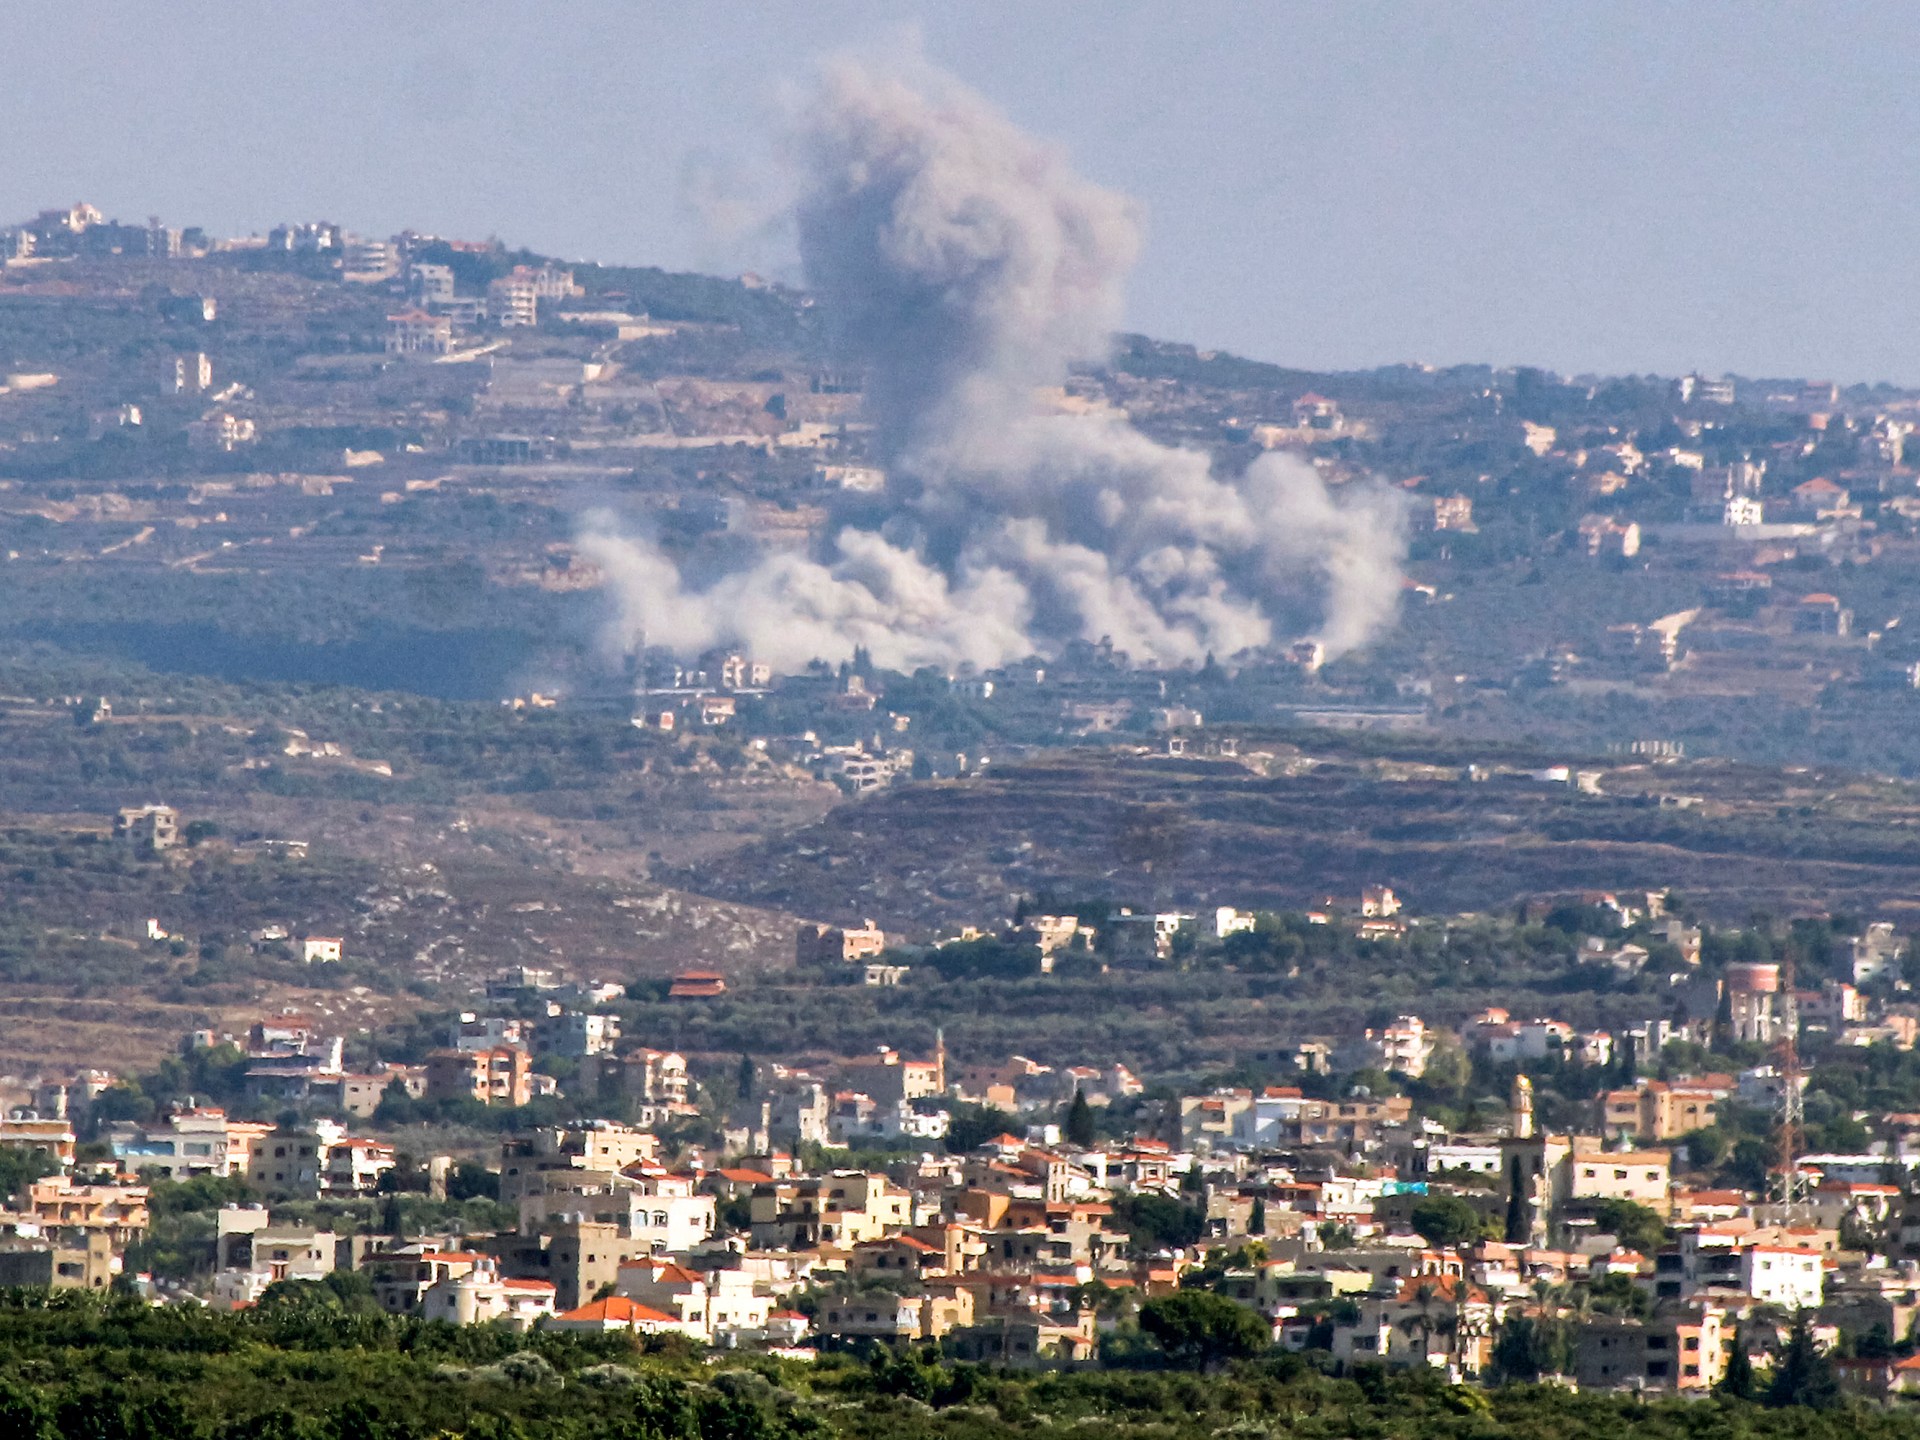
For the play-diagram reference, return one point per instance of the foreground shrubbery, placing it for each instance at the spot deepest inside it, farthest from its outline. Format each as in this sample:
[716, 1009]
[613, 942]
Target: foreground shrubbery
[301, 1368]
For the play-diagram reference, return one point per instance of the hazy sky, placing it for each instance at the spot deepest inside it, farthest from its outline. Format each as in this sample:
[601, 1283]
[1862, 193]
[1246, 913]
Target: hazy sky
[1615, 186]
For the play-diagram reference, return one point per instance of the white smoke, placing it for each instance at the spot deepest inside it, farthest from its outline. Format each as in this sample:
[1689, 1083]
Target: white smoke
[966, 266]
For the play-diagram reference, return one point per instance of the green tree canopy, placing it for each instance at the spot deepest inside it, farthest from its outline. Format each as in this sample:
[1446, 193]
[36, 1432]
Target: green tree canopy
[1635, 1226]
[1080, 1120]
[1446, 1220]
[1199, 1329]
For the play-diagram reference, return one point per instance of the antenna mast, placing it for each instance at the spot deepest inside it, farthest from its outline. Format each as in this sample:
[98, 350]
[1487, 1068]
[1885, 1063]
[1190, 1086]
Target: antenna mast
[1790, 1184]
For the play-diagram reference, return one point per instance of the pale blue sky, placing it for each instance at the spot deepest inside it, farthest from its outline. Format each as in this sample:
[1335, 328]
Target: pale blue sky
[1610, 186]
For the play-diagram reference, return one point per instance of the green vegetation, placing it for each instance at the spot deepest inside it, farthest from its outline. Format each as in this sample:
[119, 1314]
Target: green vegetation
[1446, 1220]
[317, 1363]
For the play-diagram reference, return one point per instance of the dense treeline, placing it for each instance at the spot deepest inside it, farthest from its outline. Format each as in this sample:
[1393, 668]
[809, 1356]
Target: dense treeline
[301, 1365]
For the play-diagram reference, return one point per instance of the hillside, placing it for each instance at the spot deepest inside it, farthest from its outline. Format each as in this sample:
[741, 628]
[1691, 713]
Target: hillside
[1286, 827]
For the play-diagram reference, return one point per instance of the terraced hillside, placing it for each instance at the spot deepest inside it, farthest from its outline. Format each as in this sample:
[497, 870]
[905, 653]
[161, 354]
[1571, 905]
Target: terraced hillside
[1283, 827]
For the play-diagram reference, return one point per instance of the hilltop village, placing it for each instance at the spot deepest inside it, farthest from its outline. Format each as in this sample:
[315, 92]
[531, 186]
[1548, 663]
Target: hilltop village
[310, 451]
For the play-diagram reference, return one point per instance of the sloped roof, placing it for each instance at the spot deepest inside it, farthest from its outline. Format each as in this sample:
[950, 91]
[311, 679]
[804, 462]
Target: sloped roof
[617, 1309]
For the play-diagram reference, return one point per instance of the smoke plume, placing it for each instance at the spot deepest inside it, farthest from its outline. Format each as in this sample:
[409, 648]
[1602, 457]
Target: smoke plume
[967, 267]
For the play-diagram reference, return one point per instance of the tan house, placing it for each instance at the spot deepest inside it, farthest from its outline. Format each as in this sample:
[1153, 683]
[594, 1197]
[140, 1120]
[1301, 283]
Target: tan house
[502, 1075]
[894, 1319]
[1642, 1176]
[844, 1207]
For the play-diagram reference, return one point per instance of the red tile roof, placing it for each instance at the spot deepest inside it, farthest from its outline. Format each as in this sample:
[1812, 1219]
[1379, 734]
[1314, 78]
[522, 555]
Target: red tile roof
[617, 1309]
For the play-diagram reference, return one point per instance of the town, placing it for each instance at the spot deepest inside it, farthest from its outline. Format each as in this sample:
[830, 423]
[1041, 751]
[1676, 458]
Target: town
[1665, 1203]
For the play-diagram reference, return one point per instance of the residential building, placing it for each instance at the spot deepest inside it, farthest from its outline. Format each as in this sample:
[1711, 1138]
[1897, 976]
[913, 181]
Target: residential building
[221, 431]
[842, 1208]
[354, 1167]
[709, 1305]
[1878, 953]
[186, 374]
[416, 332]
[514, 300]
[1142, 939]
[1752, 996]
[1641, 1176]
[482, 1296]
[1683, 1353]
[1453, 512]
[184, 1144]
[581, 1034]
[601, 1146]
[26, 1131]
[147, 827]
[66, 1212]
[401, 1277]
[500, 1075]
[1663, 1110]
[430, 284]
[1404, 1046]
[656, 1213]
[1822, 614]
[833, 945]
[289, 1162]
[1730, 1258]
[614, 1313]
[89, 1263]
[898, 1320]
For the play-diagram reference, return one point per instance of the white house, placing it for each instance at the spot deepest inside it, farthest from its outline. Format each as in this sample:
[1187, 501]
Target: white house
[481, 1297]
[713, 1306]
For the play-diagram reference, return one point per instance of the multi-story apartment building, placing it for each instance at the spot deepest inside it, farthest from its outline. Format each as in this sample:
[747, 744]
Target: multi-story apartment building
[498, 1075]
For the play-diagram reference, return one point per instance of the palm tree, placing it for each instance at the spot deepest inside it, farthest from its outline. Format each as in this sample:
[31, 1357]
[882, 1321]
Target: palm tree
[1423, 1322]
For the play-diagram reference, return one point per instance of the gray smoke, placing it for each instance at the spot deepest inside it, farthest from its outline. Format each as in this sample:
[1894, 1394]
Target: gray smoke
[968, 267]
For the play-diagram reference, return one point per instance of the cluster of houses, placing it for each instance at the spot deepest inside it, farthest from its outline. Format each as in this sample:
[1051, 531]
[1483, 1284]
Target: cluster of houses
[1022, 1250]
[1697, 1273]
[1349, 1219]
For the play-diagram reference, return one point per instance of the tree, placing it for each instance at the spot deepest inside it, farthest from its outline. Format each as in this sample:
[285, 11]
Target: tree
[1876, 1344]
[1257, 1217]
[1527, 1348]
[1079, 1120]
[747, 1077]
[971, 1126]
[1449, 1070]
[1803, 1374]
[1199, 1329]
[1636, 1227]
[1516, 1230]
[468, 1181]
[1157, 1222]
[1443, 1220]
[1737, 1382]
[20, 1168]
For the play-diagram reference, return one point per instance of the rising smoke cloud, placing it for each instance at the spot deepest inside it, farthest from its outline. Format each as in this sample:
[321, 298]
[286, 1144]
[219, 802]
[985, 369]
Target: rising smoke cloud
[967, 266]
